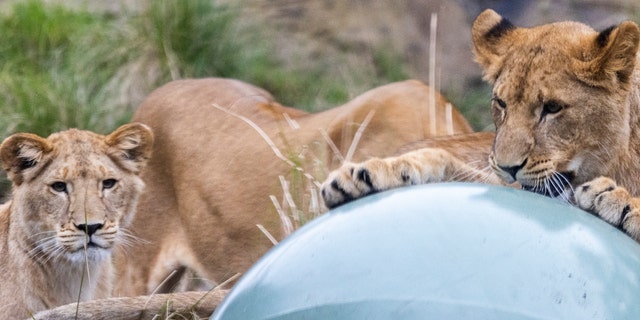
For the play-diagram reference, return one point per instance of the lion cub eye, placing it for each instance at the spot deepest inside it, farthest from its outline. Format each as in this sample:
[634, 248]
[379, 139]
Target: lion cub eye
[59, 186]
[108, 183]
[500, 102]
[551, 107]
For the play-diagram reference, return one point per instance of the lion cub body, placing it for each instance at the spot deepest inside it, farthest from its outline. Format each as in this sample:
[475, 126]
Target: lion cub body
[72, 193]
[211, 174]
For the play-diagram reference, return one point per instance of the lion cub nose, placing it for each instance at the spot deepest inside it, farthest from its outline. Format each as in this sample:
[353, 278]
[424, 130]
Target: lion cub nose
[90, 229]
[513, 170]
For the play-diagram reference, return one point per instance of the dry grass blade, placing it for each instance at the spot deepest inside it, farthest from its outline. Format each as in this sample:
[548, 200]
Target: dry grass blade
[155, 291]
[287, 226]
[332, 145]
[85, 267]
[172, 60]
[432, 73]
[291, 204]
[449, 118]
[220, 286]
[286, 221]
[267, 233]
[269, 142]
[358, 135]
[292, 123]
[261, 132]
[315, 209]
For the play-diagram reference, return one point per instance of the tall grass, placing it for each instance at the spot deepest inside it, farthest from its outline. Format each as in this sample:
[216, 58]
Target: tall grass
[63, 67]
[39, 92]
[473, 103]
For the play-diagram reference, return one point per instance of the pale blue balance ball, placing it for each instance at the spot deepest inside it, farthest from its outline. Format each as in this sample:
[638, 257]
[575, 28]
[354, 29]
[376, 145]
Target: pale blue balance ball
[445, 251]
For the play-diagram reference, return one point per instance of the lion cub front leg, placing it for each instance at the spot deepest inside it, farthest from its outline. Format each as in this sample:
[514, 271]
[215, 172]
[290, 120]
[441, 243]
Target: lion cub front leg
[353, 181]
[604, 198]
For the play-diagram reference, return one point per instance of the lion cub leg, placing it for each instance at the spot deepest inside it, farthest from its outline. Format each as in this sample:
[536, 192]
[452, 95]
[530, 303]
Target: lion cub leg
[602, 197]
[352, 181]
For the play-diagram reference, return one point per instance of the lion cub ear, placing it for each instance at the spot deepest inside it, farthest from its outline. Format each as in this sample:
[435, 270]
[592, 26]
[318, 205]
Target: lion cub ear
[488, 33]
[21, 152]
[611, 57]
[130, 146]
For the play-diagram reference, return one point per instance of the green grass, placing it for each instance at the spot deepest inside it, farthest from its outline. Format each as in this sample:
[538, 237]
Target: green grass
[63, 67]
[474, 104]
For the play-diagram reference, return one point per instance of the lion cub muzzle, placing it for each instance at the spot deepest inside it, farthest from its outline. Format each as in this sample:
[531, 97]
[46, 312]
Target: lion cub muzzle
[541, 176]
[93, 239]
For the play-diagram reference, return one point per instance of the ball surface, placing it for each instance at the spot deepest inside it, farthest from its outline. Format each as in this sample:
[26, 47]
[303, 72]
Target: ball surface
[445, 251]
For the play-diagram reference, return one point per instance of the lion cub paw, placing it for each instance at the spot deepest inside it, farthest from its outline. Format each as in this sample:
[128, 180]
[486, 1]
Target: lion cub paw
[604, 198]
[353, 181]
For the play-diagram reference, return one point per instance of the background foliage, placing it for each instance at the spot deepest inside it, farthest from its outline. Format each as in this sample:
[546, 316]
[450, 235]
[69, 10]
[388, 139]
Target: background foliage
[62, 67]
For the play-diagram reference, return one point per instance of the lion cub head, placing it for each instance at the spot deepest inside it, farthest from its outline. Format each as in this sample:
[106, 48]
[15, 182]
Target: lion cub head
[562, 99]
[74, 190]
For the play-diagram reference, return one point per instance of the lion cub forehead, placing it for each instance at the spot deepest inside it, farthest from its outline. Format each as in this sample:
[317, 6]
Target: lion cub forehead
[74, 138]
[565, 29]
[560, 37]
[93, 168]
[539, 58]
[80, 154]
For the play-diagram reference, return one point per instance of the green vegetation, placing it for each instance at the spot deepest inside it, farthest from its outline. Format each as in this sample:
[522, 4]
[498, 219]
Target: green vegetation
[62, 67]
[474, 104]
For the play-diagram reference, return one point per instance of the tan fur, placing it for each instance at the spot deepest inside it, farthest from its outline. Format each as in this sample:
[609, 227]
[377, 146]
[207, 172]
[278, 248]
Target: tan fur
[185, 305]
[566, 104]
[211, 175]
[68, 188]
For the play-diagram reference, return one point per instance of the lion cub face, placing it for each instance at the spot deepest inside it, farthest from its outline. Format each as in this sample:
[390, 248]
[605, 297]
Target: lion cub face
[559, 99]
[75, 190]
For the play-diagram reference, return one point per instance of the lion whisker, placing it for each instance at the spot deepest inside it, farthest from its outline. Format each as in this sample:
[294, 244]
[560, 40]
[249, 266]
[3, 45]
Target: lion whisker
[469, 174]
[53, 253]
[126, 240]
[552, 185]
[126, 237]
[564, 185]
[41, 233]
[43, 247]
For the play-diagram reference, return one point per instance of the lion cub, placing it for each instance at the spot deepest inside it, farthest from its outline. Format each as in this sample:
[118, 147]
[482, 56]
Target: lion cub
[73, 192]
[566, 106]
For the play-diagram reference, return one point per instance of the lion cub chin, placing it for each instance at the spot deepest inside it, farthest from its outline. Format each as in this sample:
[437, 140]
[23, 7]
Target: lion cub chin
[72, 195]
